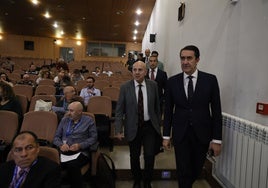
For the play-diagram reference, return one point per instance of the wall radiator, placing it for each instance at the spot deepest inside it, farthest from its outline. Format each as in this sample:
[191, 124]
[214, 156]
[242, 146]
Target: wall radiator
[243, 162]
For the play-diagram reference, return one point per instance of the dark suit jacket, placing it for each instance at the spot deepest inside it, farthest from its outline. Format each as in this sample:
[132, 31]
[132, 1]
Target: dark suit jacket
[204, 112]
[127, 108]
[161, 79]
[44, 174]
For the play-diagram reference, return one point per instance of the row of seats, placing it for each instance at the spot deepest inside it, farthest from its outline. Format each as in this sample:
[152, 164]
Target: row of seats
[44, 125]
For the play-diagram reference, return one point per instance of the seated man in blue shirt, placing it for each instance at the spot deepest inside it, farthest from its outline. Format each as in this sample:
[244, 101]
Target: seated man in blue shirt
[76, 133]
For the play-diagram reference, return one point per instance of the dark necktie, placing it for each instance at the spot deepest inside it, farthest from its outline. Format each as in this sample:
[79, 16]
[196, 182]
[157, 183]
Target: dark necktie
[152, 74]
[190, 88]
[140, 107]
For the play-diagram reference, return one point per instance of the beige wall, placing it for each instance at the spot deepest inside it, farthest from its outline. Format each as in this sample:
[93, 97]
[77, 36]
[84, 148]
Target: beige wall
[13, 46]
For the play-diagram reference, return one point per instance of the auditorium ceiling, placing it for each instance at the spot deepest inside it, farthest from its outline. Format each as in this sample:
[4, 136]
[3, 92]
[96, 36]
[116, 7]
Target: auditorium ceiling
[100, 20]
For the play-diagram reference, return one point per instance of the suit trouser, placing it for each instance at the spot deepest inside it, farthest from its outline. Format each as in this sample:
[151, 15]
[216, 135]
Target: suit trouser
[190, 157]
[146, 136]
[73, 169]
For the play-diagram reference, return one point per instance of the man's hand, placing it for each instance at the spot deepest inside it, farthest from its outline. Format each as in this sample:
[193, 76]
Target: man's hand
[119, 136]
[216, 148]
[166, 144]
[75, 147]
[64, 148]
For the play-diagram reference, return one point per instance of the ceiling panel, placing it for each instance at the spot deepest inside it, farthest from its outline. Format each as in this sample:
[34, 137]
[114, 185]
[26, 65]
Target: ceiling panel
[106, 20]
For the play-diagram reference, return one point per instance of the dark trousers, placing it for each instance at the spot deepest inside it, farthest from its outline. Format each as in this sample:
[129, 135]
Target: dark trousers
[146, 137]
[190, 157]
[73, 169]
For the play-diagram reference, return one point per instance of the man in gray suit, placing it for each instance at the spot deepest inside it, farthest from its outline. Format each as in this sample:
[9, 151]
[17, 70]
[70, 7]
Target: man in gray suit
[136, 131]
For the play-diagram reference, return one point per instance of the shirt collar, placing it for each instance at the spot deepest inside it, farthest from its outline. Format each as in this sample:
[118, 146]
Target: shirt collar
[194, 74]
[137, 84]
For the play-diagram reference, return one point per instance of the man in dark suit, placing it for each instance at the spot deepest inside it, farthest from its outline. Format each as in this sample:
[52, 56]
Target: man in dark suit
[154, 73]
[193, 110]
[27, 169]
[141, 126]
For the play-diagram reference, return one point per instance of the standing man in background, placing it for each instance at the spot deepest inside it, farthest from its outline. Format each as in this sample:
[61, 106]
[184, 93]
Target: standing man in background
[147, 56]
[193, 110]
[156, 74]
[138, 107]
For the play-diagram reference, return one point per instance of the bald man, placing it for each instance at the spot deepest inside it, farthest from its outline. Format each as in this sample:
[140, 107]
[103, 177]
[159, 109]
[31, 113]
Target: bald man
[147, 56]
[76, 133]
[140, 128]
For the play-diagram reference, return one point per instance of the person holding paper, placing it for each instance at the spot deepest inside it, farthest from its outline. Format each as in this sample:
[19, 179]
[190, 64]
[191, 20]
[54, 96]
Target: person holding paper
[75, 136]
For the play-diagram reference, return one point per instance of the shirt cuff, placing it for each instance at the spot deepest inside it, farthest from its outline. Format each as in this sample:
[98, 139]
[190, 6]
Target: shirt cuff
[216, 141]
[166, 137]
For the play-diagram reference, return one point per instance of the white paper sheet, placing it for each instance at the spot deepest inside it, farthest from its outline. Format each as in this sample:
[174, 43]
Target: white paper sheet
[66, 158]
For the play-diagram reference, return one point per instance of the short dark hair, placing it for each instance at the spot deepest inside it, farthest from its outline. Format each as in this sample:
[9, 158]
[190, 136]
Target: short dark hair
[8, 92]
[154, 52]
[26, 132]
[192, 48]
[90, 77]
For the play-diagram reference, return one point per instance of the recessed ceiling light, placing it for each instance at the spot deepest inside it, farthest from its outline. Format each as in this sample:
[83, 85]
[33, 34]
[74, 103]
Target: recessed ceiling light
[62, 32]
[35, 2]
[134, 37]
[1, 37]
[137, 23]
[47, 15]
[138, 11]
[135, 31]
[55, 25]
[78, 43]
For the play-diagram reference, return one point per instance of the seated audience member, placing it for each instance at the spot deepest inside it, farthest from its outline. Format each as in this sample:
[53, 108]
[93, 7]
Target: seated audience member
[65, 81]
[27, 169]
[8, 100]
[76, 76]
[109, 73]
[76, 134]
[4, 78]
[84, 70]
[7, 65]
[97, 71]
[32, 69]
[26, 80]
[89, 91]
[61, 64]
[59, 76]
[43, 74]
[62, 105]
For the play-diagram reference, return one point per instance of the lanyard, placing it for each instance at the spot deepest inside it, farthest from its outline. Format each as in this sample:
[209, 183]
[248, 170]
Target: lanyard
[16, 183]
[71, 128]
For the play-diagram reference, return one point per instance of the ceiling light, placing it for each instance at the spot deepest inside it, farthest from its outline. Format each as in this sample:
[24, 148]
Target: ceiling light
[137, 23]
[78, 43]
[35, 2]
[138, 11]
[55, 25]
[47, 15]
[62, 32]
[1, 37]
[58, 42]
[135, 31]
[134, 37]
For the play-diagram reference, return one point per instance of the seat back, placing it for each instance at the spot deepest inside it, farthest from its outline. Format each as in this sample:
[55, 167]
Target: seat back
[9, 125]
[24, 90]
[100, 105]
[42, 123]
[24, 102]
[45, 90]
[46, 82]
[51, 98]
[80, 85]
[100, 84]
[48, 152]
[112, 92]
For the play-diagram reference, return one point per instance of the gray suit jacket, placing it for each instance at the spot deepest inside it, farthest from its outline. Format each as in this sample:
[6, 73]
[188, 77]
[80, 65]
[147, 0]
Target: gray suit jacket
[127, 109]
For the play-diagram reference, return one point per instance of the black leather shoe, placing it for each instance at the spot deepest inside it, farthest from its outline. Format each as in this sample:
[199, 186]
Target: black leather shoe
[147, 185]
[137, 184]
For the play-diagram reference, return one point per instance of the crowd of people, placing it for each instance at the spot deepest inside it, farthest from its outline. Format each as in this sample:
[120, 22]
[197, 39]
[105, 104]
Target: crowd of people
[188, 103]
